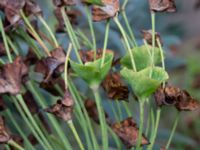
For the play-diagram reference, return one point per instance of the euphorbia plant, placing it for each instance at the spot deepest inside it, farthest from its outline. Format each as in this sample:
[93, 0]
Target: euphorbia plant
[40, 88]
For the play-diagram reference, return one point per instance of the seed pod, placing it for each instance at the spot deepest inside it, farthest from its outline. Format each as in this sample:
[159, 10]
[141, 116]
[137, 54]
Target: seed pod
[48, 66]
[114, 87]
[11, 76]
[128, 132]
[147, 35]
[162, 5]
[63, 108]
[109, 10]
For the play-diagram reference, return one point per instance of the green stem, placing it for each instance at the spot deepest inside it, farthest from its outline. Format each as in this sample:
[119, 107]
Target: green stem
[70, 33]
[89, 17]
[12, 46]
[66, 64]
[153, 35]
[5, 41]
[141, 124]
[154, 133]
[119, 110]
[84, 39]
[173, 131]
[49, 30]
[127, 109]
[71, 125]
[126, 42]
[16, 145]
[102, 119]
[105, 42]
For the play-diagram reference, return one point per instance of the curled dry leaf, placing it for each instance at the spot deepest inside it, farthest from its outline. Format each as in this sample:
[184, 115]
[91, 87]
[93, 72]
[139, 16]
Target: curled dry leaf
[63, 108]
[162, 5]
[4, 135]
[114, 87]
[88, 56]
[60, 3]
[11, 76]
[72, 15]
[147, 35]
[128, 132]
[32, 8]
[109, 10]
[181, 99]
[91, 108]
[48, 66]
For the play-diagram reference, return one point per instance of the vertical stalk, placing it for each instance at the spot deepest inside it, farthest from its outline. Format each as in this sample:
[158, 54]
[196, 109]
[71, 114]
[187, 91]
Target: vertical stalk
[12, 46]
[102, 119]
[5, 41]
[91, 30]
[153, 35]
[173, 131]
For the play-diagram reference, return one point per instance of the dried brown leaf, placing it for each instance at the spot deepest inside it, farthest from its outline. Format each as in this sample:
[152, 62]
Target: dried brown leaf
[60, 3]
[162, 5]
[4, 135]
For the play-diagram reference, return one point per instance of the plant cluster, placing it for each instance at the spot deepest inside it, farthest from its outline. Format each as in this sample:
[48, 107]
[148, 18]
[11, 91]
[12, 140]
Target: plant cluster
[138, 75]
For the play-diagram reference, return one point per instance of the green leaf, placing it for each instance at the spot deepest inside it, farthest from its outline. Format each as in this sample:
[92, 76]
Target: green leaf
[95, 2]
[145, 82]
[92, 72]
[142, 57]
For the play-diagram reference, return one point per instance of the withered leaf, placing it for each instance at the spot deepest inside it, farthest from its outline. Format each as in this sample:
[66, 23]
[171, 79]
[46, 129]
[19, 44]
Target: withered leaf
[109, 10]
[11, 76]
[88, 56]
[48, 66]
[32, 8]
[128, 132]
[30, 58]
[2, 49]
[60, 3]
[162, 5]
[114, 87]
[63, 108]
[4, 135]
[91, 108]
[72, 15]
[181, 99]
[147, 35]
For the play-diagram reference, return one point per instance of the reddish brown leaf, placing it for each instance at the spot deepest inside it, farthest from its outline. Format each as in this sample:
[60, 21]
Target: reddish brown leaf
[88, 56]
[60, 3]
[48, 66]
[11, 76]
[114, 87]
[128, 132]
[162, 5]
[91, 108]
[32, 139]
[72, 15]
[147, 35]
[63, 108]
[32, 8]
[4, 135]
[109, 10]
[2, 49]
[30, 58]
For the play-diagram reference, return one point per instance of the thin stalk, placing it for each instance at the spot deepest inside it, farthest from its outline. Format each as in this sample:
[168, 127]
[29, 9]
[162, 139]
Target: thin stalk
[116, 138]
[49, 30]
[22, 103]
[173, 131]
[5, 41]
[124, 4]
[89, 17]
[101, 119]
[15, 145]
[114, 112]
[66, 64]
[119, 109]
[34, 33]
[71, 125]
[84, 38]
[14, 122]
[12, 46]
[141, 124]
[126, 42]
[148, 117]
[153, 35]
[52, 120]
[105, 42]
[154, 133]
[127, 109]
[67, 24]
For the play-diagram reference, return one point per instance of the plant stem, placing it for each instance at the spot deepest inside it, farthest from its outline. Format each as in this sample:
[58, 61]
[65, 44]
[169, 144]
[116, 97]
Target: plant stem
[153, 35]
[101, 119]
[16, 145]
[70, 33]
[5, 41]
[154, 133]
[71, 125]
[105, 42]
[49, 30]
[89, 17]
[66, 64]
[127, 109]
[141, 124]
[173, 131]
[126, 42]
[12, 46]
